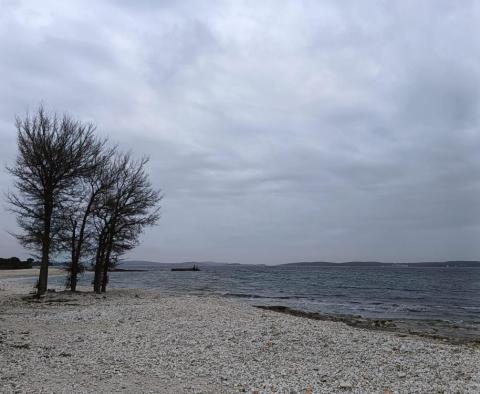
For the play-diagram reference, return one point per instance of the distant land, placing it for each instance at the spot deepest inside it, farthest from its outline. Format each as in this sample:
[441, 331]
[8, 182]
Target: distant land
[146, 264]
[180, 263]
[434, 264]
[439, 264]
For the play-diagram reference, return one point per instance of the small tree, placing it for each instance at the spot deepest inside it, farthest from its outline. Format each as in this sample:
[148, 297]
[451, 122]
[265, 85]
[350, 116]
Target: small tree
[54, 152]
[127, 208]
[78, 231]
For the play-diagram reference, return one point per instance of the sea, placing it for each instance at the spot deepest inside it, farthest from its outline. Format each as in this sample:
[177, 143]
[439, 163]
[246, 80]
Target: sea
[448, 295]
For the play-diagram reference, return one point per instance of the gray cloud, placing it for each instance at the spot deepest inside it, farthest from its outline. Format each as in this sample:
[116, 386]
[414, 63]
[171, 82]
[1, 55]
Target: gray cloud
[311, 130]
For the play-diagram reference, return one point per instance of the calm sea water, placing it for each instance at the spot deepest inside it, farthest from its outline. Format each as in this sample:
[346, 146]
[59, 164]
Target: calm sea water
[447, 294]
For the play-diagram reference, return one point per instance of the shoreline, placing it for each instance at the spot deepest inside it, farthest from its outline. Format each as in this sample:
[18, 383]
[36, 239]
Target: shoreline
[141, 341]
[29, 272]
[431, 329]
[436, 329]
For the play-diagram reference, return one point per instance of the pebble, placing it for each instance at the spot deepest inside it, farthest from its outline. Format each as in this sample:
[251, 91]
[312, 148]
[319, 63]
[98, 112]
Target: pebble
[345, 385]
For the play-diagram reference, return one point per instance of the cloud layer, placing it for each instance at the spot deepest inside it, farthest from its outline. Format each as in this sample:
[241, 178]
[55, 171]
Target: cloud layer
[300, 130]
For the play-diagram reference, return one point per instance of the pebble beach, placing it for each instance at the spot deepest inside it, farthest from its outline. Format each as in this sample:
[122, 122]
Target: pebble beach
[132, 341]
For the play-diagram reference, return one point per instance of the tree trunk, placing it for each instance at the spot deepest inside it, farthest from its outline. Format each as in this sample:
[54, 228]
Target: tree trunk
[73, 277]
[105, 276]
[105, 272]
[78, 249]
[43, 276]
[99, 262]
[106, 266]
[74, 263]
[109, 237]
[97, 281]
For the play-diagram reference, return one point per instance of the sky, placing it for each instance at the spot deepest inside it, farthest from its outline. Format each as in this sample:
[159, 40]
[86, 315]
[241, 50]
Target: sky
[278, 131]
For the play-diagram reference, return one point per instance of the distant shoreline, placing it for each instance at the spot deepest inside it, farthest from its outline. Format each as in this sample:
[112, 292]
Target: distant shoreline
[355, 264]
[359, 264]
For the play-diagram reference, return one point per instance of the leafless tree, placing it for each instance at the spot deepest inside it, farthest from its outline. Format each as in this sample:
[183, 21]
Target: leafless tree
[127, 208]
[54, 153]
[78, 231]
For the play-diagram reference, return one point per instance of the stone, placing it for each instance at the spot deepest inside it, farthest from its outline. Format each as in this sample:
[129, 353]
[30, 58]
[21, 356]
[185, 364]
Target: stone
[345, 385]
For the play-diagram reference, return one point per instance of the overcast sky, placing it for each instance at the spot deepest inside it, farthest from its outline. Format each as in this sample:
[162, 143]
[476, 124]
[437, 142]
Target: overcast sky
[278, 131]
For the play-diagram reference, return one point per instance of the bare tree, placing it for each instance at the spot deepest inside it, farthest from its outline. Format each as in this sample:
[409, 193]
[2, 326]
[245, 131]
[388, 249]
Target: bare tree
[127, 208]
[54, 152]
[78, 231]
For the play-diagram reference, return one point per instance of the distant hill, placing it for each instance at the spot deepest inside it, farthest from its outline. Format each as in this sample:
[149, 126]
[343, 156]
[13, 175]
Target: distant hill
[154, 265]
[458, 264]
[330, 264]
[144, 264]
[207, 263]
[439, 264]
[310, 264]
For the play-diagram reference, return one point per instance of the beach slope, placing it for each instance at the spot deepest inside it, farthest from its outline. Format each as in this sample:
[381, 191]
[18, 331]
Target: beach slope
[140, 342]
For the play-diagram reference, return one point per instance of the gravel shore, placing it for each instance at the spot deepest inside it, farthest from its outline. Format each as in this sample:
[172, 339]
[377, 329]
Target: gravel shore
[30, 272]
[141, 342]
